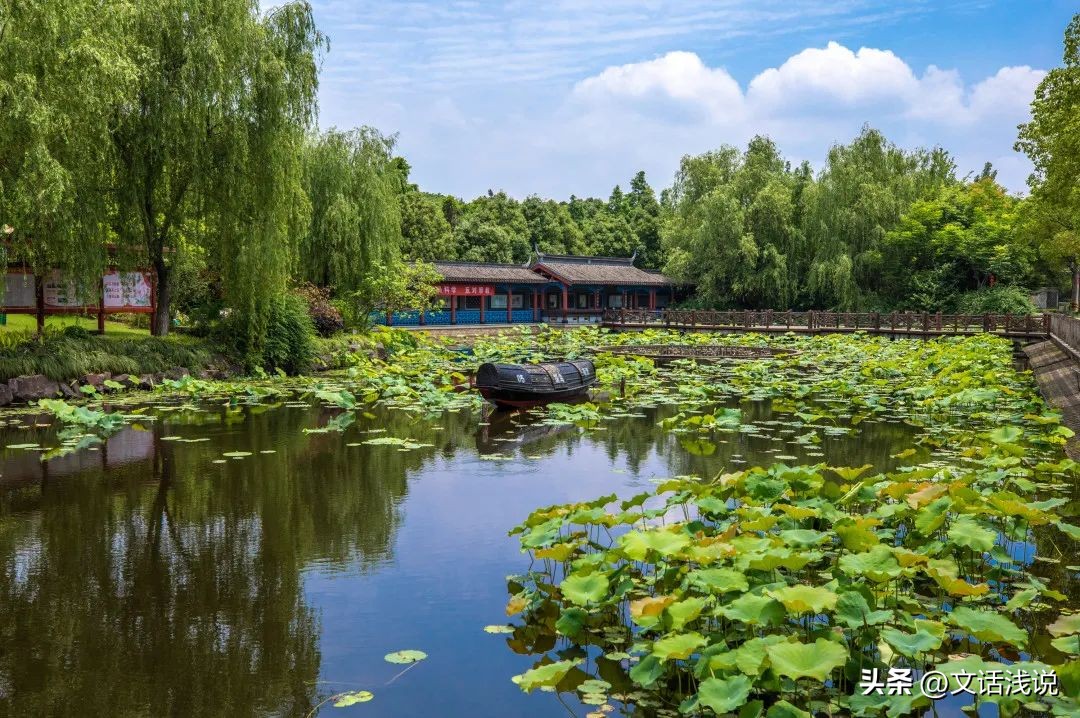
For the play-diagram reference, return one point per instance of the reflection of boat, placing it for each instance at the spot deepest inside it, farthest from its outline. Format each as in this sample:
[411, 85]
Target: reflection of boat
[525, 385]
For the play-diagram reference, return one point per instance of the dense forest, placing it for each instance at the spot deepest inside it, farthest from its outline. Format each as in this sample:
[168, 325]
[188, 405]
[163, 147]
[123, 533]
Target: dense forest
[185, 138]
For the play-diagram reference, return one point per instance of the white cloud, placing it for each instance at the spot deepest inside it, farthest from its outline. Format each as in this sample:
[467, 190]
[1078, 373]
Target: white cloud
[676, 104]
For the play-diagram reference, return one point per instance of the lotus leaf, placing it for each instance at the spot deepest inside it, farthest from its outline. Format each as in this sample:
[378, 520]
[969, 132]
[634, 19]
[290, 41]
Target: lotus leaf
[807, 660]
[802, 598]
[344, 700]
[547, 674]
[723, 695]
[585, 589]
[405, 656]
[988, 626]
[677, 646]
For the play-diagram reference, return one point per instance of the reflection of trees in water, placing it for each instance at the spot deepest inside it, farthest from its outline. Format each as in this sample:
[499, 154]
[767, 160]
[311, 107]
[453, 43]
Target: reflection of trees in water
[174, 586]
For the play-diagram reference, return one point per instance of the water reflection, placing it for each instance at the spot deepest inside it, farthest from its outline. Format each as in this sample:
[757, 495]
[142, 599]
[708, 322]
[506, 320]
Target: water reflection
[144, 578]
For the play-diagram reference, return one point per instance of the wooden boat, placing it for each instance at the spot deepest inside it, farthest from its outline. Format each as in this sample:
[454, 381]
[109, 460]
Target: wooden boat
[524, 385]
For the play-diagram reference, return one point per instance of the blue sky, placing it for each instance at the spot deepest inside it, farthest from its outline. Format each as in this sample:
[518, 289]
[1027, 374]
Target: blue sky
[574, 96]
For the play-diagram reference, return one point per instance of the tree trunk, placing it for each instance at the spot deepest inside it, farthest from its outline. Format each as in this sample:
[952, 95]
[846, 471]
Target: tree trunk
[1076, 287]
[159, 322]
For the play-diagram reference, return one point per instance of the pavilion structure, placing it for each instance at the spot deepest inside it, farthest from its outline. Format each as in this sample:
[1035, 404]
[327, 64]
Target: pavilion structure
[552, 288]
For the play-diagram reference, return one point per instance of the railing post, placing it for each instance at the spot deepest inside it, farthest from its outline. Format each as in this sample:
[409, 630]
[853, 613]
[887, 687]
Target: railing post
[939, 321]
[693, 318]
[1047, 323]
[810, 319]
[926, 323]
[789, 319]
[986, 322]
[876, 319]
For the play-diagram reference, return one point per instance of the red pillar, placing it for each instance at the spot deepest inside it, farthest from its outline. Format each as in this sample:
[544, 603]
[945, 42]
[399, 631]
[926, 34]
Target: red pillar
[39, 301]
[625, 300]
[509, 305]
[483, 301]
[596, 299]
[652, 300]
[453, 310]
[536, 305]
[565, 303]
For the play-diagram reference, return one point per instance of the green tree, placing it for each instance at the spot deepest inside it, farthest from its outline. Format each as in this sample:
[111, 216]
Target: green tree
[644, 211]
[425, 233]
[353, 184]
[63, 70]
[731, 226]
[209, 143]
[963, 239]
[551, 228]
[398, 287]
[493, 230]
[1052, 140]
[861, 193]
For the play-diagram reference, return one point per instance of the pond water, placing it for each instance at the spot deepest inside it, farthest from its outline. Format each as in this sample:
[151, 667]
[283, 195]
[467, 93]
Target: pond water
[150, 576]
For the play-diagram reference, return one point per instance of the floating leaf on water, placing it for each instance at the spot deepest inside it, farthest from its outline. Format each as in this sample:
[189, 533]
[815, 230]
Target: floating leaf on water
[344, 700]
[498, 628]
[405, 656]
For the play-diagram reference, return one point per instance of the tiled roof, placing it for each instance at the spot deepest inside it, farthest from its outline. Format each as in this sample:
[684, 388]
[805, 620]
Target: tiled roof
[599, 270]
[483, 272]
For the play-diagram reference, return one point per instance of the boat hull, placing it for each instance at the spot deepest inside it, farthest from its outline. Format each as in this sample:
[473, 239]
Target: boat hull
[508, 399]
[520, 386]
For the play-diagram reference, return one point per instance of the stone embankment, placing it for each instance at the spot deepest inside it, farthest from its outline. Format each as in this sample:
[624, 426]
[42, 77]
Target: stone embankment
[24, 389]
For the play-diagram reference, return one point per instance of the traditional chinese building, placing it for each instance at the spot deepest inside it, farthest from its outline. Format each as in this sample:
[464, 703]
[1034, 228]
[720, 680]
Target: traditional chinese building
[554, 288]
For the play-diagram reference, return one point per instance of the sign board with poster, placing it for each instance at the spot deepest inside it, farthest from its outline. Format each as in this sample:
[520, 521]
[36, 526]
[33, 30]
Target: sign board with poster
[127, 291]
[19, 290]
[60, 292]
[466, 290]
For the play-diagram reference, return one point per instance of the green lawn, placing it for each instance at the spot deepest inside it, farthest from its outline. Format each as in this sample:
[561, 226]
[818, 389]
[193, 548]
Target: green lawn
[28, 323]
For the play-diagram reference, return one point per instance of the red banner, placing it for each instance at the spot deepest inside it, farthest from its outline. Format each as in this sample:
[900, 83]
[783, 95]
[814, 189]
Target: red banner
[466, 290]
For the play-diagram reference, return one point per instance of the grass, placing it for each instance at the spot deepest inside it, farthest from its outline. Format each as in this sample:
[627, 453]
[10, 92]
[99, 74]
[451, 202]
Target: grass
[66, 353]
[27, 323]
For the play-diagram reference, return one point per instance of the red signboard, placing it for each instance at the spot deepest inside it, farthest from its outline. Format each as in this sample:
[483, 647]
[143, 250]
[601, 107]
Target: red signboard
[466, 290]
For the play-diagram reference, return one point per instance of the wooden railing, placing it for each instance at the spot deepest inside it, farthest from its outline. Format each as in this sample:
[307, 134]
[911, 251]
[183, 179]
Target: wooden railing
[1065, 332]
[822, 322]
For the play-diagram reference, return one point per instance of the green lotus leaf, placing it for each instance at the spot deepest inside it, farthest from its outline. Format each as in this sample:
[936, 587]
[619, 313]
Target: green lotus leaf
[966, 531]
[723, 695]
[495, 629]
[988, 626]
[647, 671]
[585, 589]
[406, 656]
[678, 646]
[548, 675]
[344, 700]
[807, 660]
[911, 644]
[718, 580]
[848, 473]
[803, 537]
[932, 516]
[685, 611]
[1069, 530]
[765, 488]
[636, 545]
[1067, 644]
[801, 598]
[594, 685]
[571, 621]
[783, 709]
[853, 611]
[1065, 625]
[1005, 435]
[878, 564]
[752, 609]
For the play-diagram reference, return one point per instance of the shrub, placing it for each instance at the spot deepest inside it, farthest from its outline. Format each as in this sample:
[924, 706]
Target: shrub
[1001, 299]
[324, 315]
[290, 335]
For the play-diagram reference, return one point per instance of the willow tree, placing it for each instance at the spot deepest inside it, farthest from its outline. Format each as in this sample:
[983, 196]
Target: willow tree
[1052, 140]
[861, 193]
[208, 145]
[355, 187]
[62, 70]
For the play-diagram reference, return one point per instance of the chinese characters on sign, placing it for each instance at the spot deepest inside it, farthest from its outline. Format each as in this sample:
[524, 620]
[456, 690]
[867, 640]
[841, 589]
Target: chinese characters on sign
[935, 684]
[466, 290]
[129, 289]
[120, 291]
